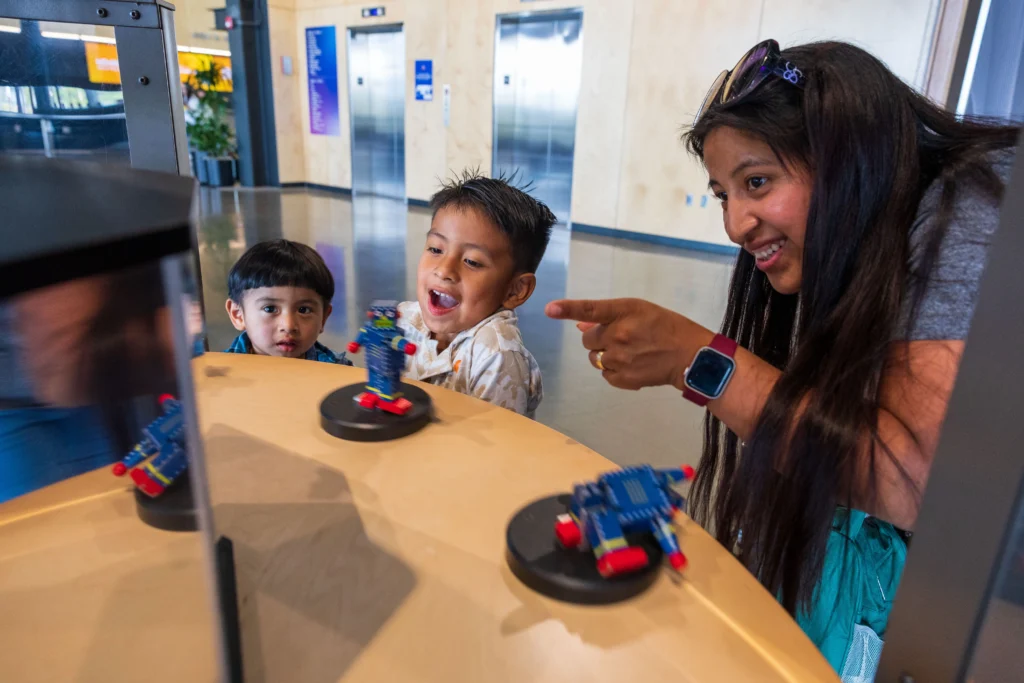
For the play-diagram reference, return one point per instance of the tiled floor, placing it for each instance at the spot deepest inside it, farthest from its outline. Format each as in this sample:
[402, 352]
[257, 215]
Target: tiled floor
[372, 247]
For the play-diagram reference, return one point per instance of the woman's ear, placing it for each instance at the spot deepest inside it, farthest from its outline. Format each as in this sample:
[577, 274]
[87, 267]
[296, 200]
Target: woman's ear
[235, 314]
[519, 290]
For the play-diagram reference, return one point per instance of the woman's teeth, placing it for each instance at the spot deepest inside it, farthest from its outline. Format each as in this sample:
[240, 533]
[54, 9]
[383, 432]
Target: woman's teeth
[767, 252]
[444, 300]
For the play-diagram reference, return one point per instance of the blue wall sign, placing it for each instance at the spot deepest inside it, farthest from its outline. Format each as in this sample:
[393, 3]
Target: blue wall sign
[322, 63]
[424, 80]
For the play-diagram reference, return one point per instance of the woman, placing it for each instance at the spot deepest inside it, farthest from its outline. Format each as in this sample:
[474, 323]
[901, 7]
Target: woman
[864, 213]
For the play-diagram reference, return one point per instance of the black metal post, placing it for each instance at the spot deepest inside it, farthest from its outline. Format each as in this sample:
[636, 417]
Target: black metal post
[253, 95]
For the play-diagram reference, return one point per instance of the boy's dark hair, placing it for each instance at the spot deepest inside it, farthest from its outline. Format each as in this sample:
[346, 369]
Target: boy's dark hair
[280, 263]
[524, 220]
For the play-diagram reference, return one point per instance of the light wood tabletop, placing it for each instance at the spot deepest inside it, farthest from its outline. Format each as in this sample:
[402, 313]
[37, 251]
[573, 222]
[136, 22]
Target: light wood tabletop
[89, 593]
[385, 561]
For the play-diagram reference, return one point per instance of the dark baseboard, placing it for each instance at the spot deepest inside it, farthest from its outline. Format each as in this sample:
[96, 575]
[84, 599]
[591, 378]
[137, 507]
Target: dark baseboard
[347, 192]
[660, 240]
[344, 191]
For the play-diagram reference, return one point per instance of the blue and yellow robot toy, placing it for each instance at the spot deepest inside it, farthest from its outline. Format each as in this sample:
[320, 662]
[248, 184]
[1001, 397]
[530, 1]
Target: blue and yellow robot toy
[386, 349]
[163, 441]
[632, 500]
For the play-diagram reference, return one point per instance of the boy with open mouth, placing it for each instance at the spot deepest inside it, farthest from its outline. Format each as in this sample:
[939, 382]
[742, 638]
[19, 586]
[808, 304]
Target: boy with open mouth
[485, 242]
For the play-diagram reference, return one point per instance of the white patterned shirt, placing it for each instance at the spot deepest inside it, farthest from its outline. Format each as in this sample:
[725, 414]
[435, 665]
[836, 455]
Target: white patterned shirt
[488, 361]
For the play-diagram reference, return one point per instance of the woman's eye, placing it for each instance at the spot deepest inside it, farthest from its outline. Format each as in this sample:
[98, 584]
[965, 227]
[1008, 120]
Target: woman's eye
[722, 196]
[756, 182]
[473, 264]
[433, 250]
[270, 309]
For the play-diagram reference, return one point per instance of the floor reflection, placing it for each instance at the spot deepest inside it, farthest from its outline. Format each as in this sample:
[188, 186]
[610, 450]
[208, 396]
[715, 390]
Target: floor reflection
[372, 246]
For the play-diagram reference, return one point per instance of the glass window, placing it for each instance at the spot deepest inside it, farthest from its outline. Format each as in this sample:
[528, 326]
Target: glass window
[994, 82]
[998, 656]
[8, 98]
[60, 92]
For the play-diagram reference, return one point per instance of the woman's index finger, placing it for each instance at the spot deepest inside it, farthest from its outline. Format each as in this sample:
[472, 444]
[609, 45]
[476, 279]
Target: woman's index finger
[602, 311]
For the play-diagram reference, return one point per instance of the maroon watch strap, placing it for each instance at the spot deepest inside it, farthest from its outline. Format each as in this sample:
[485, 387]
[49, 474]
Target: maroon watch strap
[692, 396]
[723, 345]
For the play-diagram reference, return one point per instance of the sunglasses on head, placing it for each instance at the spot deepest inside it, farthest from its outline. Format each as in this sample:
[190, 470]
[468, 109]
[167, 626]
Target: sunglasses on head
[753, 69]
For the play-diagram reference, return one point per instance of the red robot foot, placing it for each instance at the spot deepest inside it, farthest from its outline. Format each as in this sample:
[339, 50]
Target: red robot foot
[677, 560]
[568, 532]
[622, 561]
[147, 484]
[367, 399]
[120, 469]
[399, 406]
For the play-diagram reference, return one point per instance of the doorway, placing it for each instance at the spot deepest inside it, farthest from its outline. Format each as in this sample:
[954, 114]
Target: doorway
[537, 63]
[376, 86]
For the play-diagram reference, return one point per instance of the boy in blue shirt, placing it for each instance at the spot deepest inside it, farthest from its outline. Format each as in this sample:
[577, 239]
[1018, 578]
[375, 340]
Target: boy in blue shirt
[279, 297]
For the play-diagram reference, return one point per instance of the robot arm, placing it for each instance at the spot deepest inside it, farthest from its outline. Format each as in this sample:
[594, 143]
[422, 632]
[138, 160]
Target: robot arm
[403, 345]
[666, 538]
[144, 449]
[354, 346]
[674, 475]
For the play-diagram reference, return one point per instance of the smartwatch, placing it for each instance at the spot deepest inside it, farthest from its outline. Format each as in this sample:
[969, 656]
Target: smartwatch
[710, 371]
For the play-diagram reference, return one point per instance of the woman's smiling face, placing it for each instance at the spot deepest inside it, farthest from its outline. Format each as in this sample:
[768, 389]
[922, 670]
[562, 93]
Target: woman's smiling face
[764, 203]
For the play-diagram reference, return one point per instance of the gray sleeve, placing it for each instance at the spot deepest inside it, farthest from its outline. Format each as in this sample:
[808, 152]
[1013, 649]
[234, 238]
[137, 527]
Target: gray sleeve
[951, 288]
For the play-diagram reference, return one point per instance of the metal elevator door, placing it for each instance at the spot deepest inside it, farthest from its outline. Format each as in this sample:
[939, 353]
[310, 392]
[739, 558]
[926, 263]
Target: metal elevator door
[537, 63]
[376, 86]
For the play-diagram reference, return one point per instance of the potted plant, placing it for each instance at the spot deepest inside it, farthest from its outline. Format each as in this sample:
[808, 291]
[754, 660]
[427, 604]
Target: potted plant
[217, 151]
[198, 160]
[207, 122]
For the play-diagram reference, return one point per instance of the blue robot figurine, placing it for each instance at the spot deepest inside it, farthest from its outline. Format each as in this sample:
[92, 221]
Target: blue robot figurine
[164, 438]
[386, 349]
[631, 500]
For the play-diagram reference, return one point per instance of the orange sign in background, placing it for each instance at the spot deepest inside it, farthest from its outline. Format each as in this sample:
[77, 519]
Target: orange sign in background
[101, 59]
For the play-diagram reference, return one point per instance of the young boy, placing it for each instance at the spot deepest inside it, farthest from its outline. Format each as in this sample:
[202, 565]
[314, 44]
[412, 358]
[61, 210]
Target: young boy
[485, 242]
[279, 297]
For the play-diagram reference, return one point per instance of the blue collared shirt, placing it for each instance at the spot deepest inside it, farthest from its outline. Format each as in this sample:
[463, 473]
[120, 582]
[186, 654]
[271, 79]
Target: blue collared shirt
[317, 352]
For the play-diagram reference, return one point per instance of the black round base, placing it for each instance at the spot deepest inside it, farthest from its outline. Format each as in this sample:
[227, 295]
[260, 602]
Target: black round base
[172, 510]
[342, 417]
[537, 559]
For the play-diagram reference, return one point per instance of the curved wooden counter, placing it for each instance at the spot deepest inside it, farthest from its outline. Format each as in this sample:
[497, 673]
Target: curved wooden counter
[385, 562]
[89, 593]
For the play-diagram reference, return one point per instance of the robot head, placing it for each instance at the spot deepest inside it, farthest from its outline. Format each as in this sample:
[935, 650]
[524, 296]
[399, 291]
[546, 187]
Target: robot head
[383, 314]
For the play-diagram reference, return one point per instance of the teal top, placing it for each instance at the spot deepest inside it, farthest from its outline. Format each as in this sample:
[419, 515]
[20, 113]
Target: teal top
[851, 606]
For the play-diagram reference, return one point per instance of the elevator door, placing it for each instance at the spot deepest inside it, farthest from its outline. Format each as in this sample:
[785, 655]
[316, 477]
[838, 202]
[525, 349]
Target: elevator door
[537, 62]
[376, 86]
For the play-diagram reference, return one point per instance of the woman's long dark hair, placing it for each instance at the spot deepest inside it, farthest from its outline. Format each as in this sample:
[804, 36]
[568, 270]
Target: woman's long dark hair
[872, 146]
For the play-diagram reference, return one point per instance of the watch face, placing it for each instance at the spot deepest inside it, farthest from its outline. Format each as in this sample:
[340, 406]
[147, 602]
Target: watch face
[709, 372]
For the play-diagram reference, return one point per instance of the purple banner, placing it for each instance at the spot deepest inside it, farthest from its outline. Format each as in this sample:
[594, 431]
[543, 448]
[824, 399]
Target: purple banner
[322, 69]
[334, 259]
